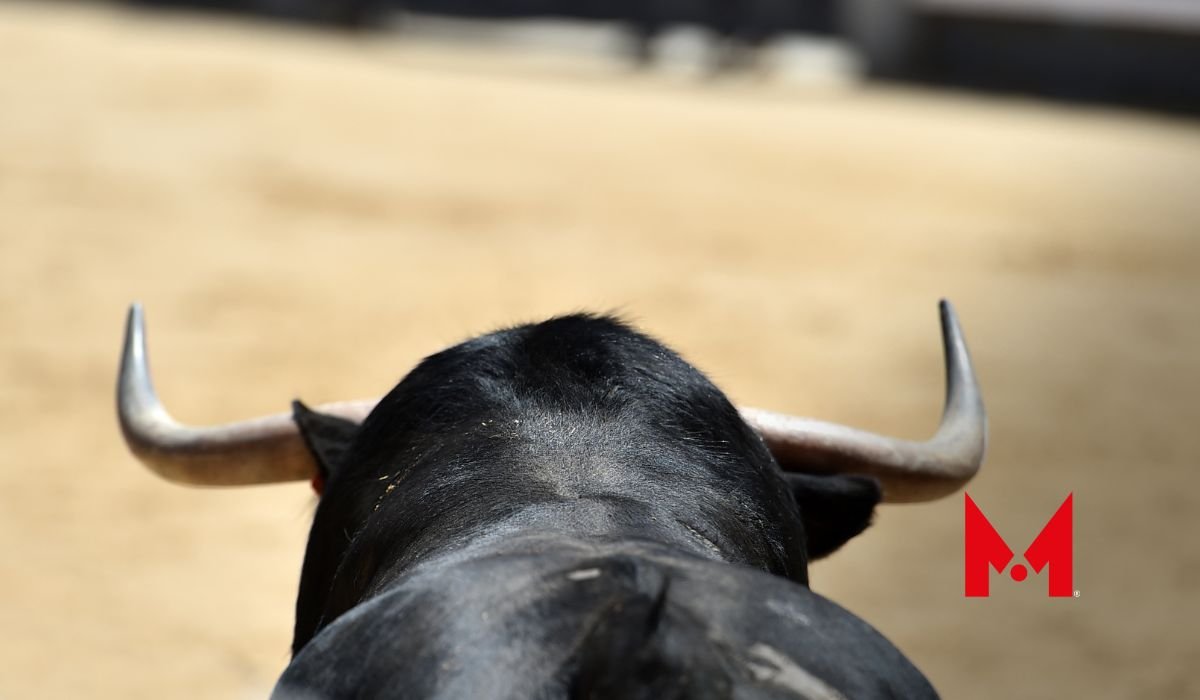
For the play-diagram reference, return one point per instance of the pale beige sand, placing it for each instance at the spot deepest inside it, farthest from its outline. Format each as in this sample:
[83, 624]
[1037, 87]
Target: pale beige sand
[306, 216]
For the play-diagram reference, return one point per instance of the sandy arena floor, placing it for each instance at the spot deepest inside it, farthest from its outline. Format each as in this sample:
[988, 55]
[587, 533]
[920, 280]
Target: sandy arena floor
[308, 216]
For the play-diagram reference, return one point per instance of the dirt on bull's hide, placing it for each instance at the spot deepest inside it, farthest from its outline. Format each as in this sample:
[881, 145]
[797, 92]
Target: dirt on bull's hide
[306, 215]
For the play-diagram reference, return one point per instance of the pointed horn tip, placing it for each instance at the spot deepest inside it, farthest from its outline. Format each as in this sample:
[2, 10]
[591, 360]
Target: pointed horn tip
[135, 389]
[135, 323]
[953, 337]
[948, 315]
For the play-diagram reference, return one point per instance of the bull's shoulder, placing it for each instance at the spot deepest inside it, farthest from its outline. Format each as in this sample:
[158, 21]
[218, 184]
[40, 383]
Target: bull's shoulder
[609, 620]
[789, 638]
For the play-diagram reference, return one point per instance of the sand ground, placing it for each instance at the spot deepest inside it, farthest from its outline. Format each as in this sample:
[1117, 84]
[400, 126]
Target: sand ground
[307, 215]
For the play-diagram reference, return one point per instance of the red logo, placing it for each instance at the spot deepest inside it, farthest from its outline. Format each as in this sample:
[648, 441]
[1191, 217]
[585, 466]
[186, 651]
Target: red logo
[1051, 548]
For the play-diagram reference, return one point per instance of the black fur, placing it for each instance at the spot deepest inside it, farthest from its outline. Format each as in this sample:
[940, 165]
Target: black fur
[568, 509]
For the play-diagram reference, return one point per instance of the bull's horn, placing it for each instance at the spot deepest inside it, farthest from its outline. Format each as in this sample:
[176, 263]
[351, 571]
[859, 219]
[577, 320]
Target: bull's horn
[908, 471]
[266, 450]
[259, 451]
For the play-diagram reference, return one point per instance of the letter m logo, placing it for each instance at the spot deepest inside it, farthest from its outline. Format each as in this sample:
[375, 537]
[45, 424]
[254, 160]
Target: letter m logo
[1051, 548]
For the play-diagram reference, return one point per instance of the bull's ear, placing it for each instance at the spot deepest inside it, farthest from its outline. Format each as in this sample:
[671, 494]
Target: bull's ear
[834, 508]
[328, 439]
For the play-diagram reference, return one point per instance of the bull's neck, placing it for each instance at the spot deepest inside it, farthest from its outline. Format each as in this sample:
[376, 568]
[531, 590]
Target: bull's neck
[580, 521]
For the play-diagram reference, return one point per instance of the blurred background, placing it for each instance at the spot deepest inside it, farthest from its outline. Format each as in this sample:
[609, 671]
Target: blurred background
[311, 195]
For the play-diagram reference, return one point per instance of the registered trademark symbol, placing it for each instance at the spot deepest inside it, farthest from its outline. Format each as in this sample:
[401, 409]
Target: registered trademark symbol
[1076, 594]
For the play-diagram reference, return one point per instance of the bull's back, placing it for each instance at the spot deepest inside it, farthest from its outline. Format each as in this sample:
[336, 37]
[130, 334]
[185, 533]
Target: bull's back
[598, 621]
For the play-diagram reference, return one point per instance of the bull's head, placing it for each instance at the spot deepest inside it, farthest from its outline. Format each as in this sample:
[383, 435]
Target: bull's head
[271, 449]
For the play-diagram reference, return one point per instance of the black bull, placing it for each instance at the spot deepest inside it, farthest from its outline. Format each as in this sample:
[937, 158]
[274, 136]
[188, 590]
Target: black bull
[567, 509]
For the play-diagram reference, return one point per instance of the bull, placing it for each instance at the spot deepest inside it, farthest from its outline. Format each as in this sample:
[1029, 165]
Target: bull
[569, 509]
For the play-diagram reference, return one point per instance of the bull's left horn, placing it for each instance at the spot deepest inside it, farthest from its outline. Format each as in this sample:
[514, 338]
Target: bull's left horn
[259, 451]
[908, 471]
